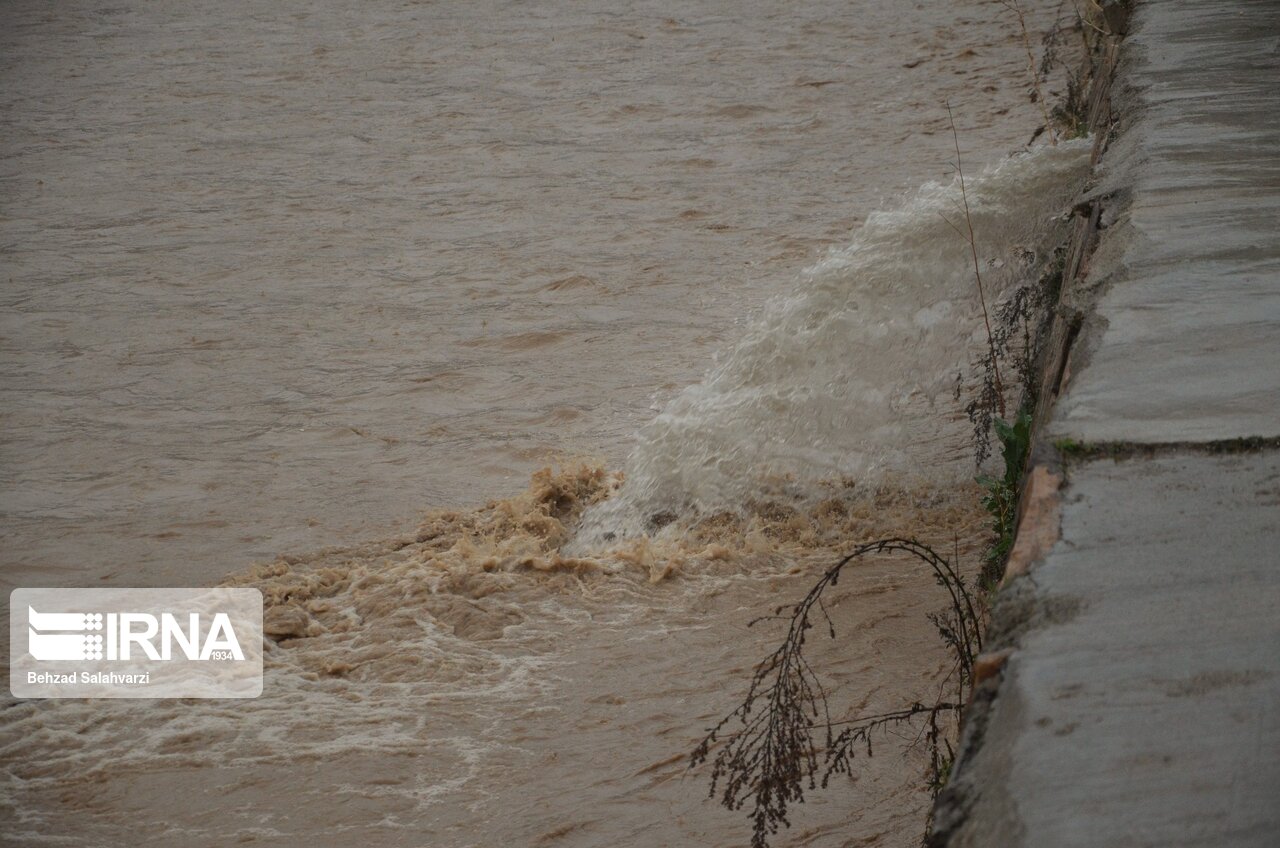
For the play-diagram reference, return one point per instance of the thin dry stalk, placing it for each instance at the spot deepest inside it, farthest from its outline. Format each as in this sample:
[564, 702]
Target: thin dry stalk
[977, 272]
[781, 739]
[1091, 8]
[1016, 9]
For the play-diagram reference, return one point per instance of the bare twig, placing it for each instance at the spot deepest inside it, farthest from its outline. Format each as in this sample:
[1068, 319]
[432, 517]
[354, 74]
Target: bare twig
[1091, 7]
[773, 755]
[977, 272]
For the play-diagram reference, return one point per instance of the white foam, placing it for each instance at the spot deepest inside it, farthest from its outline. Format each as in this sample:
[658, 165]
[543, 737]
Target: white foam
[853, 373]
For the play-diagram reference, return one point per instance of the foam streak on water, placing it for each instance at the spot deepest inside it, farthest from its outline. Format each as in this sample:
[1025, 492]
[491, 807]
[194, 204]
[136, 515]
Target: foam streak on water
[854, 373]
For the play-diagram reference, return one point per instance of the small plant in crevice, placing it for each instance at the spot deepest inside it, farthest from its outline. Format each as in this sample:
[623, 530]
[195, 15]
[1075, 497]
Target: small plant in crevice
[1001, 498]
[1066, 119]
[1071, 113]
[1021, 324]
[1020, 317]
[1072, 110]
[781, 740]
[1089, 22]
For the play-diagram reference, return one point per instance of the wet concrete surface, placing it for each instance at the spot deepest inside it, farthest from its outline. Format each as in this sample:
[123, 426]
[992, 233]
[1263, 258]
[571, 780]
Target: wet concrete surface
[1140, 701]
[1186, 342]
[1139, 706]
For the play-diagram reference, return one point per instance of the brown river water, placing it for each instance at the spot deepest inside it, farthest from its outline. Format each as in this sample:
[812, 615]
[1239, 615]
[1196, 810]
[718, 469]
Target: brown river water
[282, 279]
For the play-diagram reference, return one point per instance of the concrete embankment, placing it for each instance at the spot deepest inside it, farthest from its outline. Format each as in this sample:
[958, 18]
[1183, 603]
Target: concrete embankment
[1133, 696]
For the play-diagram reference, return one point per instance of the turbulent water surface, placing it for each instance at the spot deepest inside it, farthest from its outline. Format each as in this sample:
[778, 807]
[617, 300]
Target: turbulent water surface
[286, 276]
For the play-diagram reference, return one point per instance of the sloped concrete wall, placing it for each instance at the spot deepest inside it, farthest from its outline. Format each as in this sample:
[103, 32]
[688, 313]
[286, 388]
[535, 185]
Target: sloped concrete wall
[1138, 703]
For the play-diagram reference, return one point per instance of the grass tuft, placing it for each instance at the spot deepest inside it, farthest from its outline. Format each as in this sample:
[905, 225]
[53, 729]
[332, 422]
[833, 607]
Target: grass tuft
[1001, 498]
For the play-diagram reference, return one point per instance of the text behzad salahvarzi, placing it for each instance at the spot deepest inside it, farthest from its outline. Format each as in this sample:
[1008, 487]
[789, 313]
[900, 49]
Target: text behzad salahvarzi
[135, 643]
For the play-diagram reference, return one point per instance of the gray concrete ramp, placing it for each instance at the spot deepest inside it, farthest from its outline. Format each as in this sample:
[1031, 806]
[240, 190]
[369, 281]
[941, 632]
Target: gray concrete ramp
[1137, 701]
[1185, 341]
[1141, 705]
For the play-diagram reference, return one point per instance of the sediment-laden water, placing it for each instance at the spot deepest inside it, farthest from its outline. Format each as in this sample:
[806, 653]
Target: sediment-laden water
[286, 277]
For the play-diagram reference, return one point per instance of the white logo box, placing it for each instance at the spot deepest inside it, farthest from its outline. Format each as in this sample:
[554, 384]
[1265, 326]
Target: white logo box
[135, 643]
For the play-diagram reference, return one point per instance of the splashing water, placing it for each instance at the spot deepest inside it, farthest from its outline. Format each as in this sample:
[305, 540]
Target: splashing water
[422, 680]
[849, 375]
[488, 639]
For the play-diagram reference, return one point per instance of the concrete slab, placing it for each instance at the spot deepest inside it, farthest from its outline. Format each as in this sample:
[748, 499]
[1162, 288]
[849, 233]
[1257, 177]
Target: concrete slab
[1141, 706]
[1184, 344]
[1139, 701]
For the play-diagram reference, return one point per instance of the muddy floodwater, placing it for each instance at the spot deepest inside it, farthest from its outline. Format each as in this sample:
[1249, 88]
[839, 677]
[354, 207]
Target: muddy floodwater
[305, 295]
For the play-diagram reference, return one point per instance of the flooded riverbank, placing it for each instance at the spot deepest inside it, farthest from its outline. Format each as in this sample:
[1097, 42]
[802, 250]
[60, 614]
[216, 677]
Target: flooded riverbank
[286, 279]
